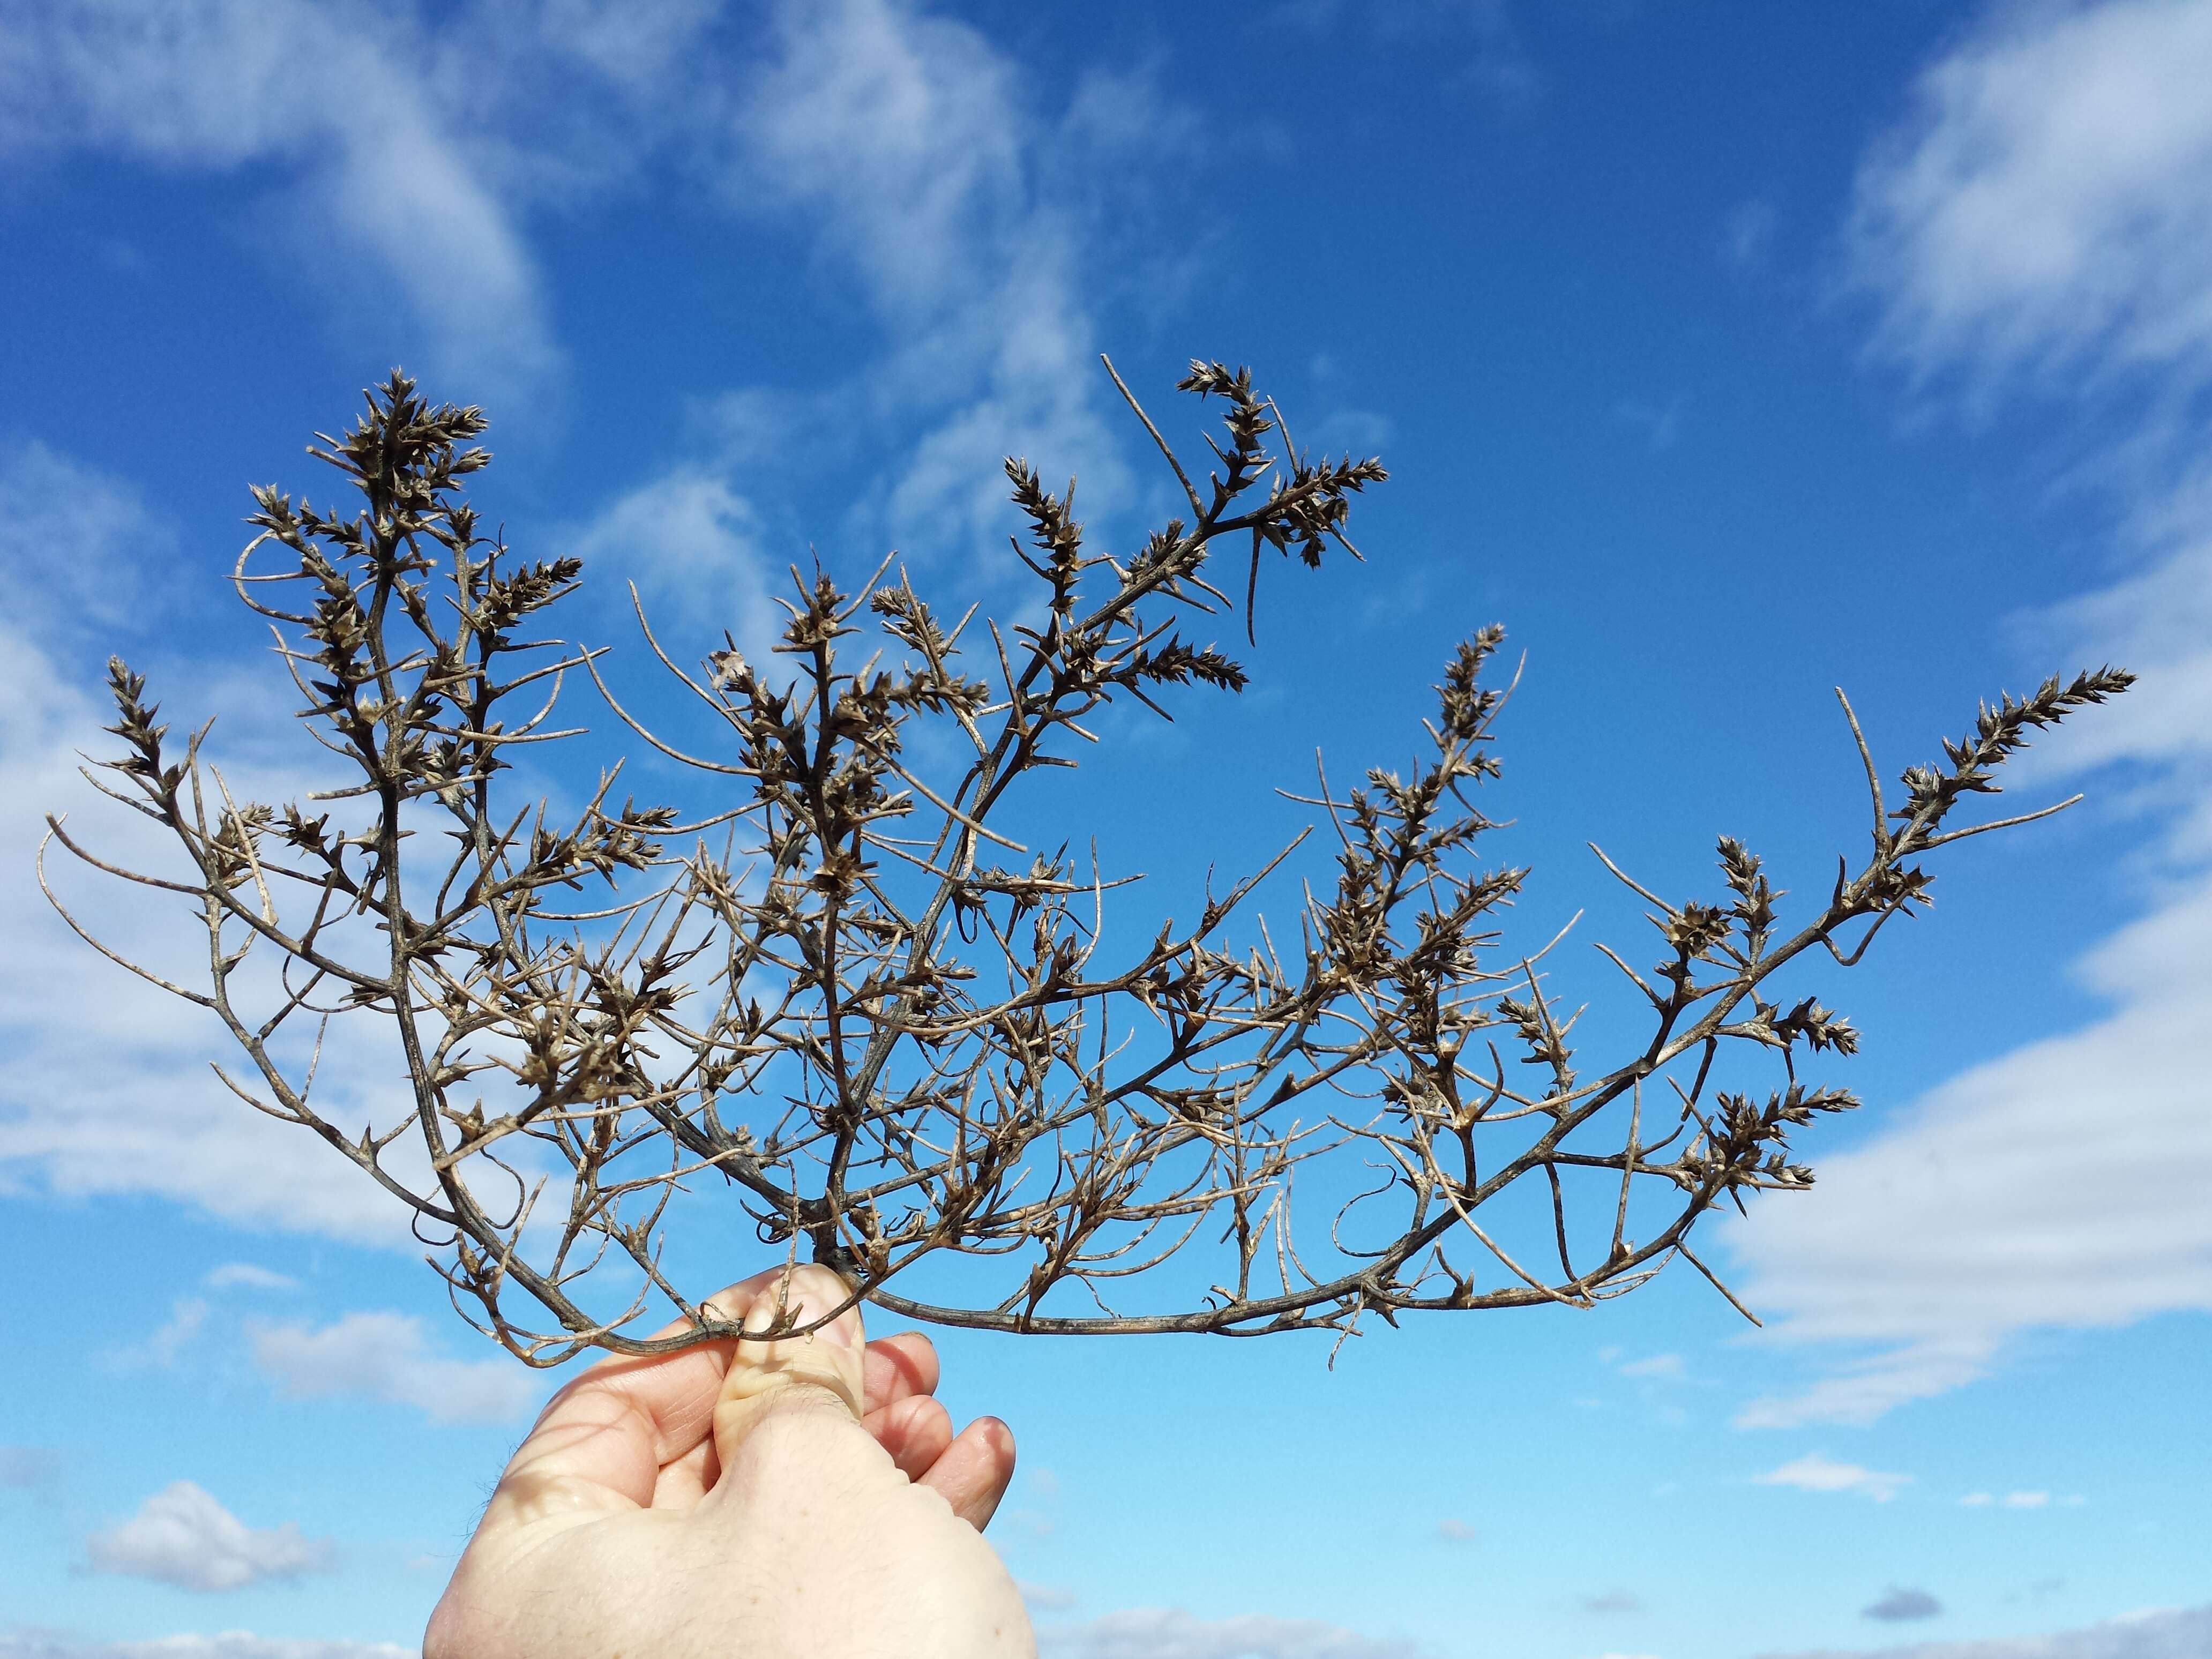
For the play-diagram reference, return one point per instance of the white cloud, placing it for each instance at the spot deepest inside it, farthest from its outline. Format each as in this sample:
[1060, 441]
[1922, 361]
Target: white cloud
[2053, 1187]
[2048, 206]
[229, 1644]
[2158, 621]
[78, 548]
[690, 539]
[148, 1116]
[109, 1088]
[1457, 1531]
[904, 129]
[1667, 1367]
[233, 1273]
[911, 144]
[1171, 1634]
[908, 147]
[2026, 1500]
[2165, 1634]
[386, 1357]
[2048, 203]
[182, 1536]
[1816, 1473]
[337, 98]
[1046, 1598]
[162, 1346]
[561, 101]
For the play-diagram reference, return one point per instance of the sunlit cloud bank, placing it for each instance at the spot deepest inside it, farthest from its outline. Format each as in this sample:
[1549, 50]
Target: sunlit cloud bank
[107, 1089]
[2059, 1187]
[2046, 210]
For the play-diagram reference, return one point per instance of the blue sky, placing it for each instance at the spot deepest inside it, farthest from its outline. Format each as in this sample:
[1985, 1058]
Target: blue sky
[1724, 357]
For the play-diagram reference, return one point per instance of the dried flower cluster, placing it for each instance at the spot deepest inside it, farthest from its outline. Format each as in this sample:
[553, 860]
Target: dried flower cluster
[907, 1046]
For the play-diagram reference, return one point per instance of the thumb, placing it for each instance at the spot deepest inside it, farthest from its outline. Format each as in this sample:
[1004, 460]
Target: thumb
[822, 1369]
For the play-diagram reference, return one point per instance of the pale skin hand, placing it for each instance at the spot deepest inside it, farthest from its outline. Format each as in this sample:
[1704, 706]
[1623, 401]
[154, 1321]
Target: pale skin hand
[731, 1504]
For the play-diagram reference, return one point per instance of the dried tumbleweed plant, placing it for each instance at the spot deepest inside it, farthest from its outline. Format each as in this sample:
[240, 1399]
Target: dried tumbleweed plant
[884, 1029]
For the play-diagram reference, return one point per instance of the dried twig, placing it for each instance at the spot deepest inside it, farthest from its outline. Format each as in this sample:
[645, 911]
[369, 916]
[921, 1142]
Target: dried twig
[905, 1062]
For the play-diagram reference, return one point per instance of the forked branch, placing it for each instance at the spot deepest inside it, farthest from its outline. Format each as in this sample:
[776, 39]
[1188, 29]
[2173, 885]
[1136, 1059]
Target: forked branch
[960, 1082]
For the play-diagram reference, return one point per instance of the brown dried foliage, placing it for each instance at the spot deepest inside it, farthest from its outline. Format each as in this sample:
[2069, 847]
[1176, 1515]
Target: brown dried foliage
[886, 1029]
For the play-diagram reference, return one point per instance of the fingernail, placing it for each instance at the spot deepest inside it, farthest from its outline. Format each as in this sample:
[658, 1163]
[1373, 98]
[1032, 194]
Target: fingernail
[807, 1305]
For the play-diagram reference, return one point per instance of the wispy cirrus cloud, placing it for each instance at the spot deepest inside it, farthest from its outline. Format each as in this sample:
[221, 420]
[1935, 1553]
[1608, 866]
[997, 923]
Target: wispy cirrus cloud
[372, 158]
[398, 155]
[926, 165]
[915, 158]
[2044, 205]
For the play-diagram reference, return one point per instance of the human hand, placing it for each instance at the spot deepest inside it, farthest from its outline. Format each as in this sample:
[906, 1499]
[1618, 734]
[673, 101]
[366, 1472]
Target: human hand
[804, 1499]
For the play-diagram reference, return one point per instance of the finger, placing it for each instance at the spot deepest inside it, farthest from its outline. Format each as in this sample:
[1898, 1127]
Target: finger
[681, 1483]
[915, 1432]
[973, 1471]
[897, 1367]
[600, 1443]
[821, 1368]
[900, 1371]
